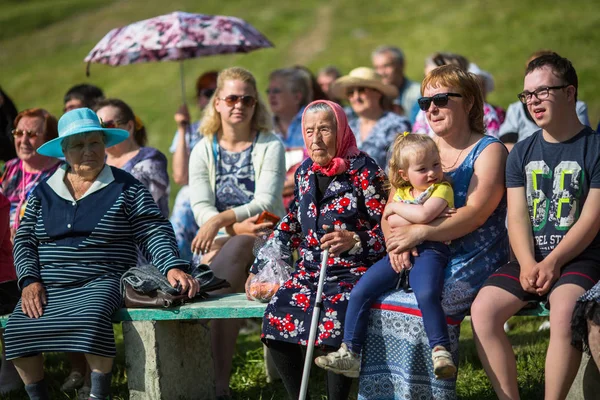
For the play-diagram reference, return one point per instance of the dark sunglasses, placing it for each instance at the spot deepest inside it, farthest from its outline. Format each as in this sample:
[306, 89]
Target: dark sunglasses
[206, 93]
[19, 133]
[350, 91]
[440, 100]
[233, 99]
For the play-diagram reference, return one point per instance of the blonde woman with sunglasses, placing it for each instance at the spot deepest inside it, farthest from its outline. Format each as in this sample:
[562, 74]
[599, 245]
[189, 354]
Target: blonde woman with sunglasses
[236, 172]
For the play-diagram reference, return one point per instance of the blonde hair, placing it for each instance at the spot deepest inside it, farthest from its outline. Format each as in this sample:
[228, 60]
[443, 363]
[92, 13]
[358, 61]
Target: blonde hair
[405, 147]
[211, 119]
[466, 84]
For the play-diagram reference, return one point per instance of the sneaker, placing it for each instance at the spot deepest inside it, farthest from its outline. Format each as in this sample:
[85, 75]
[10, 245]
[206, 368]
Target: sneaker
[342, 361]
[73, 381]
[443, 366]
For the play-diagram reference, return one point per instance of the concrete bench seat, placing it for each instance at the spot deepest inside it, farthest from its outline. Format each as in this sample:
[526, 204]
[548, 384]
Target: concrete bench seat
[168, 351]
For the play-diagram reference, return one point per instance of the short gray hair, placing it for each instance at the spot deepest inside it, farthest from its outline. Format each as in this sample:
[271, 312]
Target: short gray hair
[397, 54]
[297, 80]
[330, 70]
[322, 107]
[65, 142]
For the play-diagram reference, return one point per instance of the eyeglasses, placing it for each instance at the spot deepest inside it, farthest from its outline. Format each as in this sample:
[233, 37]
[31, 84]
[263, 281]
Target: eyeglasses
[233, 99]
[350, 91]
[20, 133]
[440, 100]
[109, 124]
[540, 93]
[206, 93]
[273, 91]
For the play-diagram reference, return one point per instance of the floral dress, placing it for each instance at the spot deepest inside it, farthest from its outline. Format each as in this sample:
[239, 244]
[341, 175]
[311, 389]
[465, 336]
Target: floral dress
[353, 201]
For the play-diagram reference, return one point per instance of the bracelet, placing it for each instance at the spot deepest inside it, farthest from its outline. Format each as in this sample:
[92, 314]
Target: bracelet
[357, 246]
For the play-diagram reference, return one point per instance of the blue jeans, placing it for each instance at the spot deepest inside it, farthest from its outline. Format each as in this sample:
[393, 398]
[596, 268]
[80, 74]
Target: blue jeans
[427, 281]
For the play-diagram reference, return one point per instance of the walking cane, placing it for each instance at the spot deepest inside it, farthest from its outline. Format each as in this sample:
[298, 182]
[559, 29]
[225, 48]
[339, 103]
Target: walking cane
[310, 346]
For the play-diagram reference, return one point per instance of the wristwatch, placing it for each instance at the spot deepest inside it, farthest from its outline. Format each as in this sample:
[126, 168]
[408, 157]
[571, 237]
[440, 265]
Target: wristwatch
[357, 246]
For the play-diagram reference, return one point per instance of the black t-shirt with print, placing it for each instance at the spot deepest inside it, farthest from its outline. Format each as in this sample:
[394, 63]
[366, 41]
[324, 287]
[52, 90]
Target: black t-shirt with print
[557, 178]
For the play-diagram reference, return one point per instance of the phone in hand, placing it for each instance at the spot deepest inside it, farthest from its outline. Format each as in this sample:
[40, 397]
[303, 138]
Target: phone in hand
[266, 216]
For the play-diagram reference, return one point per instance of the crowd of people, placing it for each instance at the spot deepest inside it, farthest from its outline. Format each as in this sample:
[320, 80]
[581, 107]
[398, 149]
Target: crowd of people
[424, 184]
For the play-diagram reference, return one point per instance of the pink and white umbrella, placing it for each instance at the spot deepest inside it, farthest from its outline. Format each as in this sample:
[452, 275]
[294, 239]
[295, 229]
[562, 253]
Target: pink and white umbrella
[176, 37]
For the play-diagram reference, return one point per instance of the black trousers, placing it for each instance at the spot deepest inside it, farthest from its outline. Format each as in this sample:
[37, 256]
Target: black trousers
[289, 360]
[9, 296]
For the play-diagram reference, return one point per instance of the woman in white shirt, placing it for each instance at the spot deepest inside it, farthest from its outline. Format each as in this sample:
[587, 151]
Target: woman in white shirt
[236, 172]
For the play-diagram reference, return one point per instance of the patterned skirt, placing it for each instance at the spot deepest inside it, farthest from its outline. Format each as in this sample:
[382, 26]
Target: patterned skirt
[586, 309]
[76, 319]
[396, 362]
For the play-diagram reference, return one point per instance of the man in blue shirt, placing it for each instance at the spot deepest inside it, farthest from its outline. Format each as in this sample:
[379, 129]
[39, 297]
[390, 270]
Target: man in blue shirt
[388, 61]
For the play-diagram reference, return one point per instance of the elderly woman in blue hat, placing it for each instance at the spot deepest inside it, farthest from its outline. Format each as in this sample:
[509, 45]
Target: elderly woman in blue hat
[79, 233]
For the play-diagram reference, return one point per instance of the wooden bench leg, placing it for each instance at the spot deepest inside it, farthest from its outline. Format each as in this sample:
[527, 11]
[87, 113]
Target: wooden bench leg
[168, 360]
[587, 383]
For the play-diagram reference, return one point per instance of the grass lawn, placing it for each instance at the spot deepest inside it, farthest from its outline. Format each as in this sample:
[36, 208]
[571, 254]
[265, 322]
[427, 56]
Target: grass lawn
[249, 381]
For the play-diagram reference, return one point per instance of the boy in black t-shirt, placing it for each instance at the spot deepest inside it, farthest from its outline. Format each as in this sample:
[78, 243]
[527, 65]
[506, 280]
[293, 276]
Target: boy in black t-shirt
[553, 181]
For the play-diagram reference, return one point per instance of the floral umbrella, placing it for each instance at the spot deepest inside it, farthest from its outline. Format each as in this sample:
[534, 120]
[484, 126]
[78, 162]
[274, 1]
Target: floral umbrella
[176, 37]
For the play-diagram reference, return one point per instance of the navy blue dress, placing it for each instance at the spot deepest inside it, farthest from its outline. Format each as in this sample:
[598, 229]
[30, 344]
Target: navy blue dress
[79, 249]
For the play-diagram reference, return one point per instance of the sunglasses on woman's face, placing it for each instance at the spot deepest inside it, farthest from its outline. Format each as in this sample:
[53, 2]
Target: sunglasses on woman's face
[20, 133]
[233, 99]
[350, 91]
[440, 100]
[109, 124]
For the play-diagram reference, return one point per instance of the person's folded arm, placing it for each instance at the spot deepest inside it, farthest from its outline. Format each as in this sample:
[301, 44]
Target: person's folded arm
[421, 213]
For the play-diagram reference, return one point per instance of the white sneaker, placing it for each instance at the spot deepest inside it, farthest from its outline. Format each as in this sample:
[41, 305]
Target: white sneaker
[342, 361]
[443, 366]
[84, 393]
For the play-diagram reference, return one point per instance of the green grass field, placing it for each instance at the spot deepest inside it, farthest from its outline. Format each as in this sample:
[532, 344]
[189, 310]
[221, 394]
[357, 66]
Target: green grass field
[43, 43]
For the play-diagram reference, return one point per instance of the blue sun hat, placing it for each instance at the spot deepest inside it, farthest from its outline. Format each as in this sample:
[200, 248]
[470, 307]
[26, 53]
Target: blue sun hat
[74, 122]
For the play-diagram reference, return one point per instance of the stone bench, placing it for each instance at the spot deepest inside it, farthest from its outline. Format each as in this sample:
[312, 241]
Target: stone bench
[168, 352]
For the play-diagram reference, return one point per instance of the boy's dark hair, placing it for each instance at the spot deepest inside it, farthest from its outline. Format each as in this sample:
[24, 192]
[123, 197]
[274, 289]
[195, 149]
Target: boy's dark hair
[88, 94]
[561, 67]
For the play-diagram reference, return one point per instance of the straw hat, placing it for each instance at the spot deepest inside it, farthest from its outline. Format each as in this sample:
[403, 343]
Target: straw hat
[74, 122]
[362, 77]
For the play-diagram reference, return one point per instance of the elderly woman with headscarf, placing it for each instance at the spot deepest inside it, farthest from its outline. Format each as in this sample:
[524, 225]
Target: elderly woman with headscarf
[80, 232]
[374, 125]
[337, 186]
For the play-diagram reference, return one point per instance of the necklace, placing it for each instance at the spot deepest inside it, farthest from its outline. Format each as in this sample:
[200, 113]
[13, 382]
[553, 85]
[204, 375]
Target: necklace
[449, 168]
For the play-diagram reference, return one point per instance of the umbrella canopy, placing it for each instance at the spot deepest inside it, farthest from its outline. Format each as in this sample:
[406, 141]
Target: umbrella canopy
[176, 36]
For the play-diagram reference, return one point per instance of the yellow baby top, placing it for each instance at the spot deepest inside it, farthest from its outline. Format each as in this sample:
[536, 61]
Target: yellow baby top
[442, 190]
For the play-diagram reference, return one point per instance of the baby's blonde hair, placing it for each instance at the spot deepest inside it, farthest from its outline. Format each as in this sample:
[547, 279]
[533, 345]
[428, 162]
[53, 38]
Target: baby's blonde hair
[405, 147]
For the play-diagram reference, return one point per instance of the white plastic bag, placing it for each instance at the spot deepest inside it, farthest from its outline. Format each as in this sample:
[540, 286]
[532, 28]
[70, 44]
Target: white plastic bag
[272, 273]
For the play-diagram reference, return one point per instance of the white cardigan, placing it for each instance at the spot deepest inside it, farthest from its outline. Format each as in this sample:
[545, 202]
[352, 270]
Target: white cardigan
[268, 160]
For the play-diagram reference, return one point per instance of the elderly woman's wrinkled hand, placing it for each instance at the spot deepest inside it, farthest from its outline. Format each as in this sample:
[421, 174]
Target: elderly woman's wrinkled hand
[205, 237]
[33, 300]
[338, 242]
[185, 282]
